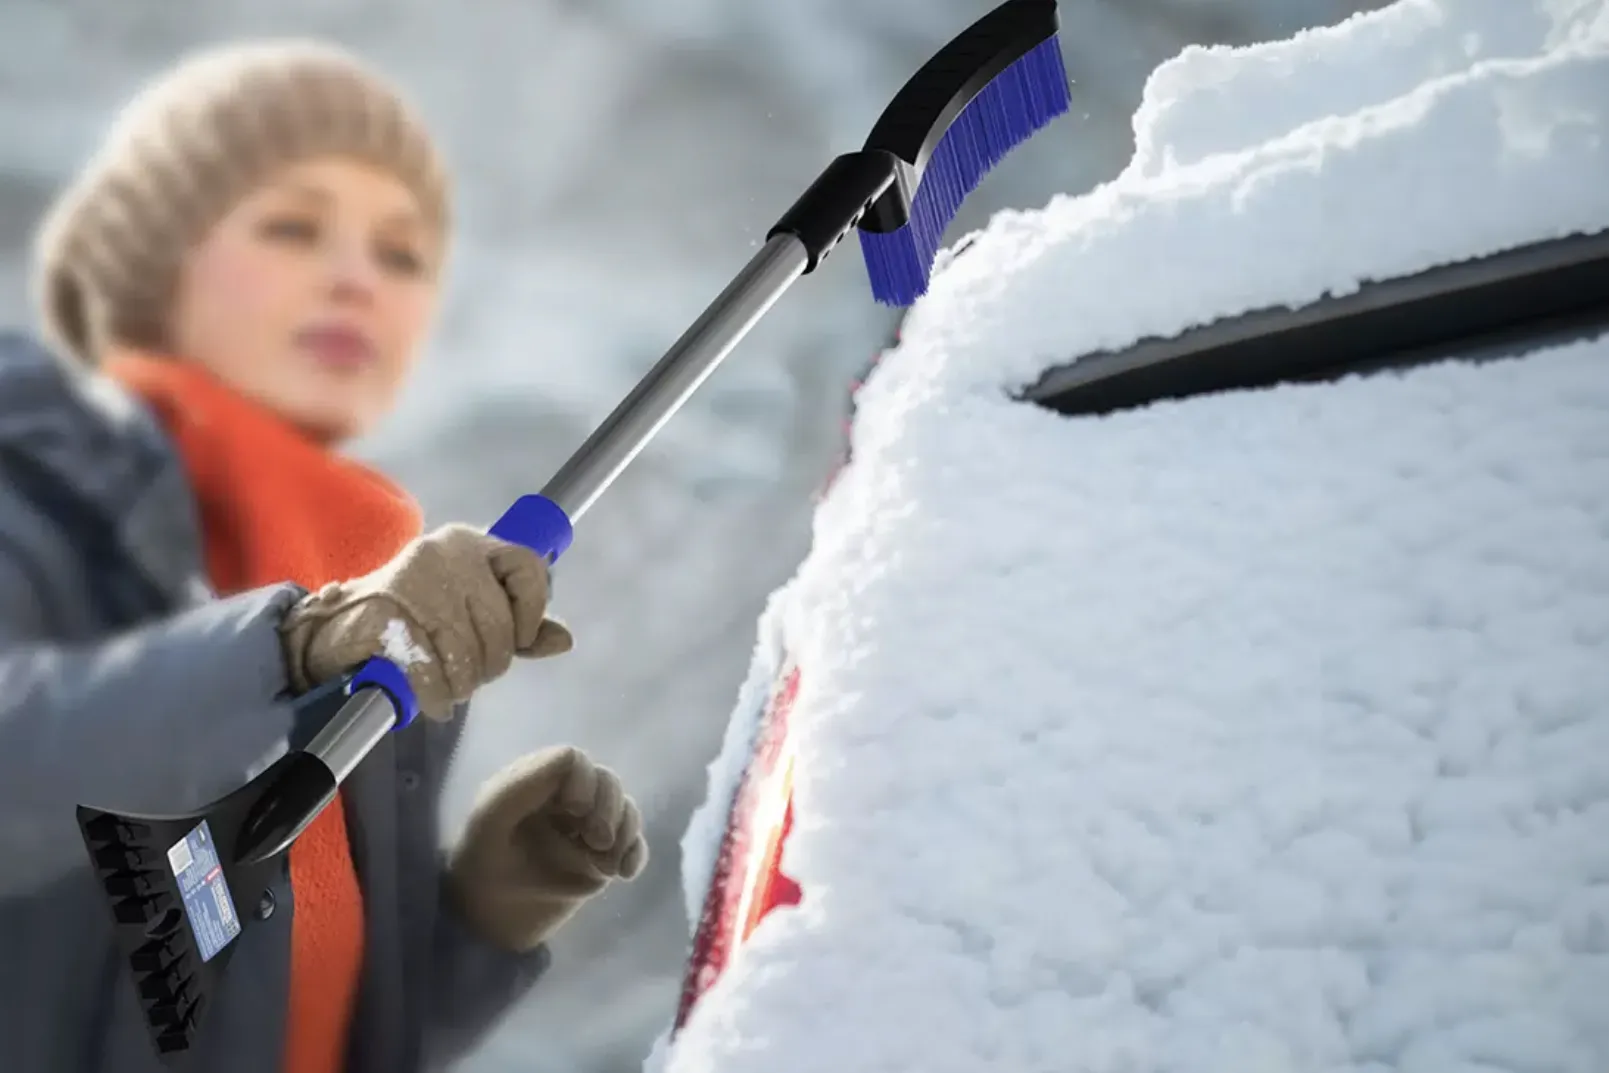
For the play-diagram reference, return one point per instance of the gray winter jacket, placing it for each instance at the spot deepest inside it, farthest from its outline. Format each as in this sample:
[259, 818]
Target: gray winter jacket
[124, 683]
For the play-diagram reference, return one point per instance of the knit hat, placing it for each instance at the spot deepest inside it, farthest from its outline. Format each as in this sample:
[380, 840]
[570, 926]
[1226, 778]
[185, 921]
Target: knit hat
[181, 155]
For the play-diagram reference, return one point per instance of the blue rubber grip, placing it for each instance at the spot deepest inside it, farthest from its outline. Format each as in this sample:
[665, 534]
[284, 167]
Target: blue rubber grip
[538, 523]
[534, 521]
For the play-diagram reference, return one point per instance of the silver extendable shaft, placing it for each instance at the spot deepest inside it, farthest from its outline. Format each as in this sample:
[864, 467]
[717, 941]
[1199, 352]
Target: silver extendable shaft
[352, 731]
[368, 716]
[626, 431]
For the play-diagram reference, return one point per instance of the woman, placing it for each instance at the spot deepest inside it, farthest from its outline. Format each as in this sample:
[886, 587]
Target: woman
[238, 283]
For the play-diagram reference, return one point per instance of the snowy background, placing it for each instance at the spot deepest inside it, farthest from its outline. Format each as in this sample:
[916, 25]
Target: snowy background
[619, 160]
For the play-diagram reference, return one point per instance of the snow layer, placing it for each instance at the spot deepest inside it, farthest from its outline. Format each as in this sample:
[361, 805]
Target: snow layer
[1257, 733]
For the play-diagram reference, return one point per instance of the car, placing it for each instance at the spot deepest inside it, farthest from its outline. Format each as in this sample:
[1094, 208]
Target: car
[1225, 689]
[1510, 304]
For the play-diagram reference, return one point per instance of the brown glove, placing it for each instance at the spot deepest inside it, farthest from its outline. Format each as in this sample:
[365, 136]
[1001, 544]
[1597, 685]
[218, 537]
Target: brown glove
[453, 609]
[547, 833]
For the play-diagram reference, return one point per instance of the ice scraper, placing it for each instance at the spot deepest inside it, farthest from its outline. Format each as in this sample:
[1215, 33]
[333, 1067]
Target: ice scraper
[174, 884]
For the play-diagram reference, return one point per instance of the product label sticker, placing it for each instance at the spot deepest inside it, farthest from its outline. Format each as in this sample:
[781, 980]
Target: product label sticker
[207, 902]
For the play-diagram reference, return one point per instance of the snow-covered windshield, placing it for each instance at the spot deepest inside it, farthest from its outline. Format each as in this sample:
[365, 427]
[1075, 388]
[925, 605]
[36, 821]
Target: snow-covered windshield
[1260, 731]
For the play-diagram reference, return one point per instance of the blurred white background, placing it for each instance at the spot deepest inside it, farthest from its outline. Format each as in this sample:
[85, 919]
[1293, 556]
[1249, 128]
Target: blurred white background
[618, 161]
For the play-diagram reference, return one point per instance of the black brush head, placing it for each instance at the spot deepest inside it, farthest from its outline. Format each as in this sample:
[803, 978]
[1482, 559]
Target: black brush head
[994, 85]
[921, 113]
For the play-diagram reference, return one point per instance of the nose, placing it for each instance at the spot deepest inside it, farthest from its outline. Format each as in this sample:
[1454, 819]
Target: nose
[353, 275]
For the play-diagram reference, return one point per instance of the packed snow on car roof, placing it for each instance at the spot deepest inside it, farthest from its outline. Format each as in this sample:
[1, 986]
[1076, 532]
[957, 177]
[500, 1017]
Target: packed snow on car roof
[1260, 731]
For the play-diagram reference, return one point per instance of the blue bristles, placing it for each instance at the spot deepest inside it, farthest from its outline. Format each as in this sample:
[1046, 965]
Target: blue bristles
[1019, 101]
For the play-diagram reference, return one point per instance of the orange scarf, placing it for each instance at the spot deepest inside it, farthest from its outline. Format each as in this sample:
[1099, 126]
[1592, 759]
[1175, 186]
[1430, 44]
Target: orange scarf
[276, 506]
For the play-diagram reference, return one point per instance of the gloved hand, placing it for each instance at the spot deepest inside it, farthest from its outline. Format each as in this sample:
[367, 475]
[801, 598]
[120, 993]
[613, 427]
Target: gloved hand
[452, 610]
[546, 833]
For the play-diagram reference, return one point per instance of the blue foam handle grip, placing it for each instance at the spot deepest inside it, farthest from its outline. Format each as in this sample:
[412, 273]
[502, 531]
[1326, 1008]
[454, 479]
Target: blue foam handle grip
[534, 521]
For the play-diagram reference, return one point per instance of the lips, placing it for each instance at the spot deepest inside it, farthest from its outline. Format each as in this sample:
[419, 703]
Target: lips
[337, 346]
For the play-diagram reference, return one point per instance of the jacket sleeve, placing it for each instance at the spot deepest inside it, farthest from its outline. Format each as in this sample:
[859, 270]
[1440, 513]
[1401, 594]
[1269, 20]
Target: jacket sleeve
[474, 984]
[162, 718]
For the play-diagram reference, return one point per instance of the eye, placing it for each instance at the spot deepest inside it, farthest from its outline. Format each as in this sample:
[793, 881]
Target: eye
[288, 228]
[399, 257]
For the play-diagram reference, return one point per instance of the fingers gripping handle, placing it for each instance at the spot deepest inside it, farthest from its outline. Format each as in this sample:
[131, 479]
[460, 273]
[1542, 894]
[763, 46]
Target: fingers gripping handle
[535, 522]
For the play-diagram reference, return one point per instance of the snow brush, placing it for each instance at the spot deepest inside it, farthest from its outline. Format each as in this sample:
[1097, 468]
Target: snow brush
[174, 883]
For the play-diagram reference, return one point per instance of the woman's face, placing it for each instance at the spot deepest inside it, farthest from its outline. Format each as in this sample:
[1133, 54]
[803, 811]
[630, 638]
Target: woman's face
[313, 295]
